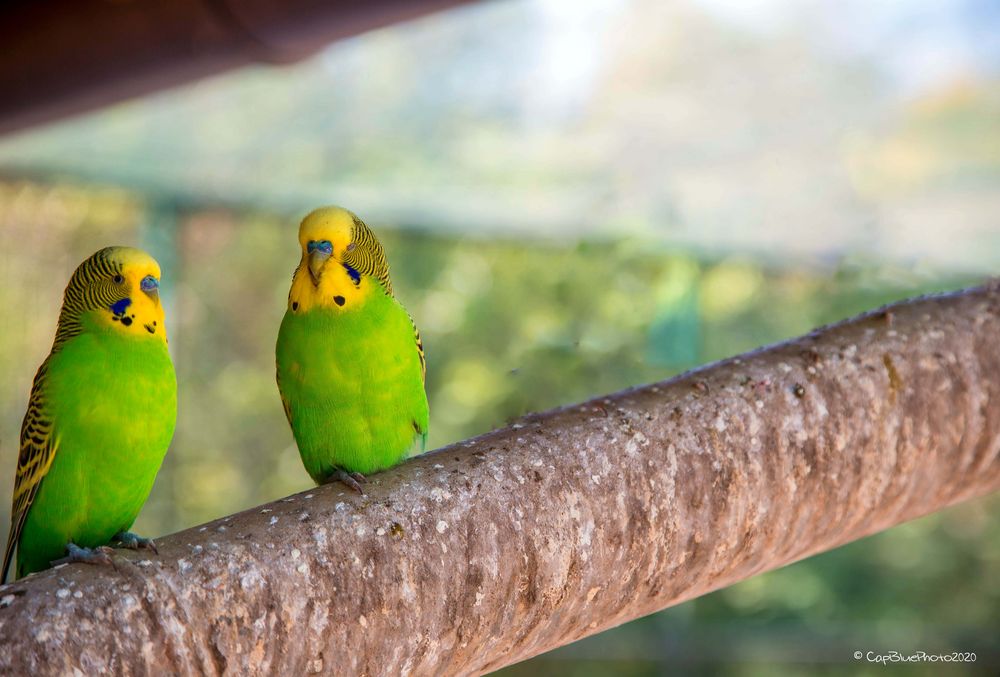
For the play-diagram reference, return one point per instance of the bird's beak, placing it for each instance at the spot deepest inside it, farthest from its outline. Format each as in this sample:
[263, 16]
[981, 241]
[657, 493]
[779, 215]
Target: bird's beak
[317, 259]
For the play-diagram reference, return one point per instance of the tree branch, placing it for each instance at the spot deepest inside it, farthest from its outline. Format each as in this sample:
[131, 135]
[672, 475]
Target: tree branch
[565, 524]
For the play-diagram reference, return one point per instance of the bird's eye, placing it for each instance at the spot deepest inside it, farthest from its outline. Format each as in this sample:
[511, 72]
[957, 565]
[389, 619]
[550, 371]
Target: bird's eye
[149, 283]
[118, 278]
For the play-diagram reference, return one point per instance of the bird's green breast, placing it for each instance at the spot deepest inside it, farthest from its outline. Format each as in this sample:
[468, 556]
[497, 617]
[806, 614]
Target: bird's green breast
[113, 402]
[353, 386]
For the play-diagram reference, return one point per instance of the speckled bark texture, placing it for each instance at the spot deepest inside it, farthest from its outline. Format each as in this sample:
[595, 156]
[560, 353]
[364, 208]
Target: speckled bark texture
[493, 550]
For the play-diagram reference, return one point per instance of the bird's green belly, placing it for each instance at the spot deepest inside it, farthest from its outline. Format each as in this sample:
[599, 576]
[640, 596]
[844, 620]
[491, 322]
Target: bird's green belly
[359, 429]
[354, 390]
[114, 412]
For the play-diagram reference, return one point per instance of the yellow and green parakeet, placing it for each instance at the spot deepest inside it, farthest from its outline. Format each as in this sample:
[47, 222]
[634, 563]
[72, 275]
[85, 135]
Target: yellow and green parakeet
[100, 417]
[350, 364]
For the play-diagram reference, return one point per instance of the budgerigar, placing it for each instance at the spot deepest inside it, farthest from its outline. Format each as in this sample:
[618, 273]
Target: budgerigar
[350, 364]
[100, 417]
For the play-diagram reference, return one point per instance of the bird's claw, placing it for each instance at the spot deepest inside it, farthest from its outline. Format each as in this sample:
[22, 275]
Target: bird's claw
[135, 542]
[352, 479]
[74, 553]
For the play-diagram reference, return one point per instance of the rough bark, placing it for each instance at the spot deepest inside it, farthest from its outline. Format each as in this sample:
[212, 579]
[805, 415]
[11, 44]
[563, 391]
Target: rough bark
[565, 524]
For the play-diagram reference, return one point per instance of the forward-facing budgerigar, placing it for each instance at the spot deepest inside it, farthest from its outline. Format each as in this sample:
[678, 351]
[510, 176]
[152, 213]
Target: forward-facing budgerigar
[350, 364]
[100, 417]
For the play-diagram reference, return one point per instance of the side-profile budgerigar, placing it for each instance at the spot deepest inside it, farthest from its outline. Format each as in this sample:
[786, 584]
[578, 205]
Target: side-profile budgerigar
[100, 417]
[350, 364]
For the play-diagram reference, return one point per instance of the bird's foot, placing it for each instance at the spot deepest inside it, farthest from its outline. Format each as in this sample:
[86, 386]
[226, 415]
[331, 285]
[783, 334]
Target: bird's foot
[352, 479]
[74, 553]
[134, 542]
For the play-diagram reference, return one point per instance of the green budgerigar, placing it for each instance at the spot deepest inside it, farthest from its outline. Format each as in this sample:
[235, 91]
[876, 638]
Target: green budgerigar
[100, 417]
[350, 364]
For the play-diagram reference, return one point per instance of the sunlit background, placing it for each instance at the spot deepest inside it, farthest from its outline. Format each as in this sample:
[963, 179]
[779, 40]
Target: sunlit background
[575, 197]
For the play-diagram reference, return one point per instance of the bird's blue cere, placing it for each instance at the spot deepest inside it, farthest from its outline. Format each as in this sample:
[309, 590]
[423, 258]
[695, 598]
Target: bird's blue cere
[149, 283]
[324, 246]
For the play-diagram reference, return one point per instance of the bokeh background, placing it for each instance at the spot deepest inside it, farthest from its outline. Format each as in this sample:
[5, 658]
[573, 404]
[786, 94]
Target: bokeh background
[575, 197]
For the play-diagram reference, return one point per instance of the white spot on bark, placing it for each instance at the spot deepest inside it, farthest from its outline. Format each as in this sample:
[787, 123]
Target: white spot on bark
[442, 526]
[62, 593]
[320, 537]
[586, 533]
[251, 579]
[820, 407]
[671, 472]
[636, 441]
[296, 553]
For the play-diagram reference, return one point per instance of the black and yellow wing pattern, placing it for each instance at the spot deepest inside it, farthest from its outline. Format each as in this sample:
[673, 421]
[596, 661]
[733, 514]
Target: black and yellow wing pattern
[38, 449]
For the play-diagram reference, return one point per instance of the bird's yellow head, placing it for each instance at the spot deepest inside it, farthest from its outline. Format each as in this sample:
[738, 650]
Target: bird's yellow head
[116, 289]
[342, 262]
